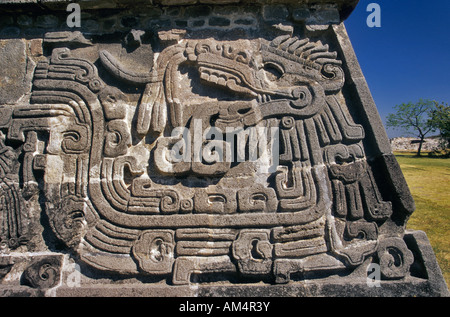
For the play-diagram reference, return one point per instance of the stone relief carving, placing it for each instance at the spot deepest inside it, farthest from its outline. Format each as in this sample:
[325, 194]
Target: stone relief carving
[239, 157]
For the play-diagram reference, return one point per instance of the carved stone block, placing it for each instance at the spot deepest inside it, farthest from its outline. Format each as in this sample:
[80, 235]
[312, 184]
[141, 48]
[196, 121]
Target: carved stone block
[185, 142]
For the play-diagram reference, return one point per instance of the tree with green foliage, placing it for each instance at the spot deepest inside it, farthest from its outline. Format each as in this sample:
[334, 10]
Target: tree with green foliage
[440, 120]
[413, 117]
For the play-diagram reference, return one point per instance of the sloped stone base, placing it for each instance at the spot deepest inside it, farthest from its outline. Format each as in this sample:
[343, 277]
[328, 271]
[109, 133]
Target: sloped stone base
[426, 280]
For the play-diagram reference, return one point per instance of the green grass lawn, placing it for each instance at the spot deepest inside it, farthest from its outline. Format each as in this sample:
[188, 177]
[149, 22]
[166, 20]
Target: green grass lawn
[429, 181]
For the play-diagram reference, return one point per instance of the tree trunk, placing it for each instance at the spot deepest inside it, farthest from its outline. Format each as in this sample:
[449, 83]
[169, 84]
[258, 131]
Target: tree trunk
[420, 145]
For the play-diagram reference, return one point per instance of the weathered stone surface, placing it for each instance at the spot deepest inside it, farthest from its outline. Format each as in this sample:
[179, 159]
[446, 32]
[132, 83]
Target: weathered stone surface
[13, 70]
[198, 148]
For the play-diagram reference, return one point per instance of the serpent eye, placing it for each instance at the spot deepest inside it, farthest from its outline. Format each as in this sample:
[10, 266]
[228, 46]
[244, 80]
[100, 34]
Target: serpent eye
[273, 71]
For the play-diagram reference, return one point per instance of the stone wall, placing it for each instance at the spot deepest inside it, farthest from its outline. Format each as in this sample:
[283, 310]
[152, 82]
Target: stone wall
[197, 148]
[34, 20]
[412, 144]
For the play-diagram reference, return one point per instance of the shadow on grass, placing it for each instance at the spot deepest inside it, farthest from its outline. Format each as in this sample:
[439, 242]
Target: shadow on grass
[409, 154]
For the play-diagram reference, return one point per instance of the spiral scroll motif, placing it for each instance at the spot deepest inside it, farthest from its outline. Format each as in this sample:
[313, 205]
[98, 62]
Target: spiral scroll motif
[395, 258]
